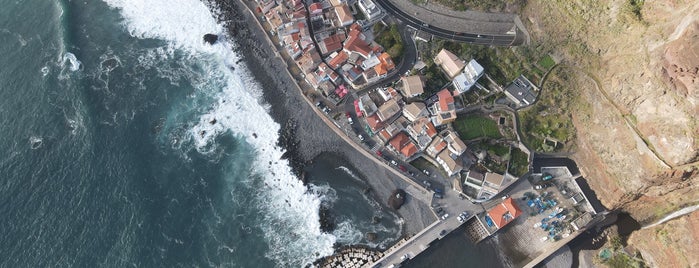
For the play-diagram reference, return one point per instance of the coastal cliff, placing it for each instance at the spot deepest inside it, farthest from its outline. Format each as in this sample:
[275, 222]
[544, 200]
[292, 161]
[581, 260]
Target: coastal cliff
[633, 67]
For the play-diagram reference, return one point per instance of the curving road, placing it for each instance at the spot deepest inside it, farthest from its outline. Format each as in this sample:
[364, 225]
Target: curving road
[480, 39]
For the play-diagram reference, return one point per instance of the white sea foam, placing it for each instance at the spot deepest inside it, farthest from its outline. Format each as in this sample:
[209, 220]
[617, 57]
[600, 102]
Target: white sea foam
[346, 233]
[69, 58]
[35, 142]
[290, 221]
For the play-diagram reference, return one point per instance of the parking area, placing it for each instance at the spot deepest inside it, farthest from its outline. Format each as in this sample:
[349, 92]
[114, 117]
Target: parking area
[548, 208]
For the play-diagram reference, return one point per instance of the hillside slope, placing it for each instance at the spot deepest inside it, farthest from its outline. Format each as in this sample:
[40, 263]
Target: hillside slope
[635, 69]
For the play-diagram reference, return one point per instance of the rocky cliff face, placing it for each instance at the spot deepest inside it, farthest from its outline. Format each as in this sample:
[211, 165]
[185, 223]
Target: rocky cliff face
[672, 244]
[634, 67]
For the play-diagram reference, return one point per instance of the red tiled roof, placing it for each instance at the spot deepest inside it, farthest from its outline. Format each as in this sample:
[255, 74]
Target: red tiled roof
[438, 147]
[333, 42]
[504, 213]
[431, 131]
[380, 69]
[338, 60]
[398, 141]
[316, 7]
[386, 60]
[409, 150]
[355, 44]
[445, 99]
[374, 122]
[403, 144]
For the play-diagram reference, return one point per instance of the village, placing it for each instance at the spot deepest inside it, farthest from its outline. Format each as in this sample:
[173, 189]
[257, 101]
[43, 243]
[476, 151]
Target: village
[461, 136]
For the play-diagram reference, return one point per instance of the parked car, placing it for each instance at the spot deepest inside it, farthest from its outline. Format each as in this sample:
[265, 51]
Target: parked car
[543, 186]
[411, 173]
[461, 218]
[443, 232]
[445, 216]
[393, 162]
[349, 118]
[426, 172]
[427, 183]
[361, 138]
[379, 153]
[547, 177]
[440, 196]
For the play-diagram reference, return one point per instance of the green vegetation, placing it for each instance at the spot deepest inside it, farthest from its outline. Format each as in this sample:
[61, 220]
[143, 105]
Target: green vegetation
[634, 7]
[389, 38]
[546, 62]
[547, 126]
[498, 154]
[475, 126]
[462, 5]
[619, 258]
[519, 163]
[434, 79]
[501, 63]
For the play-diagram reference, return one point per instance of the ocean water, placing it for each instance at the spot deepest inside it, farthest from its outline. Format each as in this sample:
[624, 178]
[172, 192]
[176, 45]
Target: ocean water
[127, 141]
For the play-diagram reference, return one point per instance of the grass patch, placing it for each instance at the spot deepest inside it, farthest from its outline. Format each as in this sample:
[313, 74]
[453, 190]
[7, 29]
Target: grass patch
[389, 38]
[546, 62]
[475, 126]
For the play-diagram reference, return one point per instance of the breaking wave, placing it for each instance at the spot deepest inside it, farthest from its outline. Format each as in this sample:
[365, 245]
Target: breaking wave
[289, 219]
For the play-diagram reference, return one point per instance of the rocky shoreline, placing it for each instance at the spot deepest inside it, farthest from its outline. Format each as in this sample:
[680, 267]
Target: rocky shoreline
[303, 134]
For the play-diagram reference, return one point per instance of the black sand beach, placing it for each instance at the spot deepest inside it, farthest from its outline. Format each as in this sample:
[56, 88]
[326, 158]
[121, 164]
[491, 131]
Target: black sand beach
[305, 136]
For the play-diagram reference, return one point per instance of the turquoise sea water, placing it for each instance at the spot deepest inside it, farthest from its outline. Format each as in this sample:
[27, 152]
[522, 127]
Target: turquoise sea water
[127, 141]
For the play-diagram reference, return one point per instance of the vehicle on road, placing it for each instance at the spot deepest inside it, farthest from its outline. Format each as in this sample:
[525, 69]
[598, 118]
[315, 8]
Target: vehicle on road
[445, 216]
[402, 168]
[443, 232]
[349, 118]
[361, 138]
[426, 172]
[393, 162]
[427, 183]
[411, 173]
[437, 195]
[379, 153]
[547, 177]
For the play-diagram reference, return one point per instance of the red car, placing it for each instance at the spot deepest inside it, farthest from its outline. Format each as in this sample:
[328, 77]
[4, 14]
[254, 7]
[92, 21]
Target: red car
[403, 168]
[379, 153]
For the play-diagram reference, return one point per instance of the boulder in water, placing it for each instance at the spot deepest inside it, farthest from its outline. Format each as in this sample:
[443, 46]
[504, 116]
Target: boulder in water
[371, 237]
[396, 199]
[210, 38]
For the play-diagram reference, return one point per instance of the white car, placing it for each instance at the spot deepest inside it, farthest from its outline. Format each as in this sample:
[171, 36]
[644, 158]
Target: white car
[361, 138]
[445, 216]
[461, 219]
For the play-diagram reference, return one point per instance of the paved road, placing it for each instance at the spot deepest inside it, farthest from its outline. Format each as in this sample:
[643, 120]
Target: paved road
[481, 39]
[453, 205]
